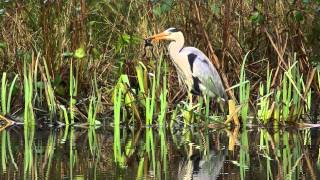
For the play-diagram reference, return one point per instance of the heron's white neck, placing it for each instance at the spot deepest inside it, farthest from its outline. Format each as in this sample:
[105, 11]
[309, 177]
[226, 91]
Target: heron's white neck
[176, 45]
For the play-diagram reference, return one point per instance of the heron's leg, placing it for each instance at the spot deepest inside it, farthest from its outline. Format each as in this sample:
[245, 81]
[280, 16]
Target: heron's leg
[222, 104]
[204, 99]
[200, 103]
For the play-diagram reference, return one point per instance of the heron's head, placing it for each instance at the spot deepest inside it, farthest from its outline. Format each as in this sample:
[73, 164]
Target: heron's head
[171, 34]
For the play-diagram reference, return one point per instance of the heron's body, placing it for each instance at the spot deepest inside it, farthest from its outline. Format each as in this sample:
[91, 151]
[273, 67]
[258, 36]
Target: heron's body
[193, 67]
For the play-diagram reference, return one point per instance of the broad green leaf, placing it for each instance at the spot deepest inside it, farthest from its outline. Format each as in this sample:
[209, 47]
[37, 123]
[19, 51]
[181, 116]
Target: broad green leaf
[298, 16]
[256, 17]
[79, 53]
[3, 45]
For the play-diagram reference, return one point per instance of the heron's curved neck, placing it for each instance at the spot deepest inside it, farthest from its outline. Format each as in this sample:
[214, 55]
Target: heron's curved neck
[176, 45]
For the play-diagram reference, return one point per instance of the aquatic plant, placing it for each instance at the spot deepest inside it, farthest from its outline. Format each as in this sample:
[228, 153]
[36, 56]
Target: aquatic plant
[118, 155]
[73, 87]
[6, 97]
[264, 112]
[28, 95]
[95, 103]
[244, 92]
[49, 92]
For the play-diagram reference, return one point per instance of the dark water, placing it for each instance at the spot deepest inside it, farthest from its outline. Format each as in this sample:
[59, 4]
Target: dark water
[78, 153]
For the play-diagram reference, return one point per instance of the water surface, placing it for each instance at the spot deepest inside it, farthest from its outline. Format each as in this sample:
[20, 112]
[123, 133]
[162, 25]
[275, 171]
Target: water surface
[78, 153]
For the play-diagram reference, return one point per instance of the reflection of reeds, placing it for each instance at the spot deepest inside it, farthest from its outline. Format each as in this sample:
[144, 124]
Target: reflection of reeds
[150, 148]
[3, 151]
[6, 148]
[28, 156]
[118, 156]
[93, 142]
[276, 154]
[163, 163]
[49, 153]
[72, 153]
[244, 156]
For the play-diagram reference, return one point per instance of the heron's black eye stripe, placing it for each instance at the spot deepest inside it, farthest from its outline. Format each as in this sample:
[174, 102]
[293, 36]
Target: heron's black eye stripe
[196, 86]
[174, 30]
[191, 58]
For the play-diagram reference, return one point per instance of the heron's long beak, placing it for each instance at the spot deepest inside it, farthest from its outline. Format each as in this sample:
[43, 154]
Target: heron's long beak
[158, 37]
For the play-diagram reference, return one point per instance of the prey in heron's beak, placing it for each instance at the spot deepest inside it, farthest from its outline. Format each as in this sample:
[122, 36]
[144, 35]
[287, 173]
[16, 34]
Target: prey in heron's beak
[158, 37]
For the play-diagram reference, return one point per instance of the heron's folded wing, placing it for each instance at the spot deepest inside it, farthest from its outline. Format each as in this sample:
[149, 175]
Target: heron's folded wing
[208, 76]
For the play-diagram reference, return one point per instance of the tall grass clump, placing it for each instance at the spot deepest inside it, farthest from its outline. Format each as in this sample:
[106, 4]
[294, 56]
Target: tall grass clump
[73, 87]
[264, 111]
[6, 97]
[127, 97]
[153, 100]
[118, 156]
[163, 98]
[95, 103]
[244, 92]
[150, 102]
[49, 92]
[152, 106]
[292, 91]
[28, 94]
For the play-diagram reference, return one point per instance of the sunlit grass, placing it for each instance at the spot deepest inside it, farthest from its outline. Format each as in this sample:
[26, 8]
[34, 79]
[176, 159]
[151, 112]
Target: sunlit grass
[49, 92]
[118, 156]
[6, 96]
[264, 113]
[72, 93]
[95, 104]
[244, 92]
[28, 95]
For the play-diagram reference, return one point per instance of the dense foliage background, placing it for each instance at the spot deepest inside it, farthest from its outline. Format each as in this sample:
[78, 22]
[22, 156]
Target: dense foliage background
[106, 37]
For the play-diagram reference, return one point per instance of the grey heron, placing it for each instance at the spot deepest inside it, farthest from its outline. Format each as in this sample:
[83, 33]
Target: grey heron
[193, 67]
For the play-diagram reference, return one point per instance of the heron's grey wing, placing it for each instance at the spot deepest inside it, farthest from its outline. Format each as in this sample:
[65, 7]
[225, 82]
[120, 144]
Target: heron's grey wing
[208, 76]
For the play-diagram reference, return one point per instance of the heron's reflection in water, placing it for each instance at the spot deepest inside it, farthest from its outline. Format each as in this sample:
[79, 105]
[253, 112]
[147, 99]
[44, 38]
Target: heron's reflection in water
[208, 163]
[199, 166]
